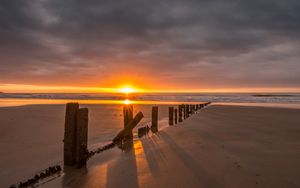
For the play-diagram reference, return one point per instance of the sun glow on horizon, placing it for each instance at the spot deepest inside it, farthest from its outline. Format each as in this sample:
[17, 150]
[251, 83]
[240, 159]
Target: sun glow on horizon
[127, 90]
[20, 88]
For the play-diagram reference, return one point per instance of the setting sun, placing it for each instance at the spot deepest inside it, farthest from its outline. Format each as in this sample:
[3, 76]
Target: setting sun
[127, 90]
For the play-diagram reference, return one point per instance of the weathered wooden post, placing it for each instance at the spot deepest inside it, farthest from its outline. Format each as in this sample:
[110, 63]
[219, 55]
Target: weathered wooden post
[171, 113]
[81, 137]
[180, 112]
[122, 135]
[197, 107]
[128, 116]
[154, 126]
[70, 133]
[184, 111]
[192, 108]
[175, 112]
[187, 110]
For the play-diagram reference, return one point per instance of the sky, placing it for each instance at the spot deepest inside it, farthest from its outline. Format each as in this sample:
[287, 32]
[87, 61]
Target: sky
[161, 45]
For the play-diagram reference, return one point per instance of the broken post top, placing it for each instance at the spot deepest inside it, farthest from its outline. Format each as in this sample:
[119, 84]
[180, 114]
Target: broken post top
[128, 114]
[128, 129]
[138, 117]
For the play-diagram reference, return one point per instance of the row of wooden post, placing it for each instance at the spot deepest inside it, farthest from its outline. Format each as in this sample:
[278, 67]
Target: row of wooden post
[76, 132]
[76, 128]
[184, 111]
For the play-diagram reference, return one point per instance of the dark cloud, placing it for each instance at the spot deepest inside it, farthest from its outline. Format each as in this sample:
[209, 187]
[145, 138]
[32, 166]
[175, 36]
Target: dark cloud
[190, 42]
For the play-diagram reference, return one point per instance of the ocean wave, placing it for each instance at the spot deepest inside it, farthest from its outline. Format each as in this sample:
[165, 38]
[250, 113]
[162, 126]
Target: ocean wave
[181, 97]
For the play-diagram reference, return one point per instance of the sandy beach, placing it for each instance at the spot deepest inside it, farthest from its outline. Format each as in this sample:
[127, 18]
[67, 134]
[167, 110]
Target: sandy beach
[221, 146]
[31, 135]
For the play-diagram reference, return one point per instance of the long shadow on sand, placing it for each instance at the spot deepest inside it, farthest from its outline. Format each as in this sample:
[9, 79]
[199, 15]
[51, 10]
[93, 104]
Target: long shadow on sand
[197, 171]
[122, 172]
[153, 155]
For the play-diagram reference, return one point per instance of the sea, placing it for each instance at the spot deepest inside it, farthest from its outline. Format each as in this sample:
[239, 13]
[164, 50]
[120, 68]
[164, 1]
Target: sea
[259, 99]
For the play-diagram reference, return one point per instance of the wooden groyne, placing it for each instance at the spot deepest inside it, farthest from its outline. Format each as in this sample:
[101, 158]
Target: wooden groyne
[76, 125]
[76, 153]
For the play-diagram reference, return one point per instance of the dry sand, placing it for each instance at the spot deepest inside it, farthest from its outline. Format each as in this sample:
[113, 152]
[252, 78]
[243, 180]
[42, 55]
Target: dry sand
[222, 146]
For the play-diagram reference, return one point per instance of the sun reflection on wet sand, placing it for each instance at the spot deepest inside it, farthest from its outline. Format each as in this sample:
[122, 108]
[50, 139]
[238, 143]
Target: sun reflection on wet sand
[21, 102]
[98, 178]
[101, 177]
[127, 101]
[141, 163]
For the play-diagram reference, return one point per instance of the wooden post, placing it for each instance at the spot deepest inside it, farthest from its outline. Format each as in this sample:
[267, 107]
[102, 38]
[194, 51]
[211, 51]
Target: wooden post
[184, 111]
[197, 107]
[70, 133]
[128, 129]
[180, 112]
[175, 112]
[81, 137]
[171, 115]
[154, 126]
[128, 116]
[187, 110]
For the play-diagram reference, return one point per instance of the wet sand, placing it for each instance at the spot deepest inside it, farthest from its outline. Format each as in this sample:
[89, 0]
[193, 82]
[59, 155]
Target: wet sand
[31, 135]
[222, 146]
